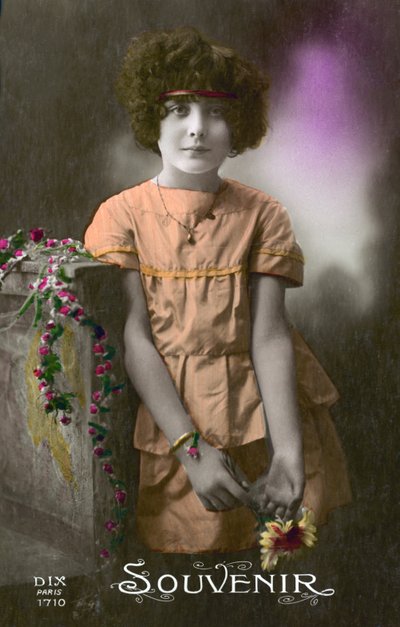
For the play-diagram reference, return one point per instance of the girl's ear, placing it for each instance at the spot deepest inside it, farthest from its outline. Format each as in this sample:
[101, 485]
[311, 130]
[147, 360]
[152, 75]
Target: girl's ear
[233, 153]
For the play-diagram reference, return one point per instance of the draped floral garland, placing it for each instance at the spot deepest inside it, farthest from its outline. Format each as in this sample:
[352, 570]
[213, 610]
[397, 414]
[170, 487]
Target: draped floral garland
[55, 303]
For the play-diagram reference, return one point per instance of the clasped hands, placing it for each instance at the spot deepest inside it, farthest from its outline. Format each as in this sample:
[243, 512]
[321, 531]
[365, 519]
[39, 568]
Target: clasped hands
[220, 484]
[279, 490]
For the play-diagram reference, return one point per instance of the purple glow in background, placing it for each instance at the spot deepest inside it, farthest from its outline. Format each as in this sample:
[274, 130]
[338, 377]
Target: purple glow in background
[320, 98]
[318, 159]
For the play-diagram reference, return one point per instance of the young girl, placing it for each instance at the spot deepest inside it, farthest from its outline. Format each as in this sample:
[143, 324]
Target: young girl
[208, 347]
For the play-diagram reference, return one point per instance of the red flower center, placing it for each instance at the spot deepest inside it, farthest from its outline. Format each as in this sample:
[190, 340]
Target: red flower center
[289, 540]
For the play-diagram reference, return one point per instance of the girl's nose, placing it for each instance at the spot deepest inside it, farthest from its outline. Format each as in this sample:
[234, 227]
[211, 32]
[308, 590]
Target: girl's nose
[197, 123]
[198, 133]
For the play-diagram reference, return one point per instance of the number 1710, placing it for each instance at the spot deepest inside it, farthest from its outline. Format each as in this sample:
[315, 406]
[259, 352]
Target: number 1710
[53, 602]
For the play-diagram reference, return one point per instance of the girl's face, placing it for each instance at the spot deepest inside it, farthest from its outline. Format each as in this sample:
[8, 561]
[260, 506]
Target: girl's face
[194, 136]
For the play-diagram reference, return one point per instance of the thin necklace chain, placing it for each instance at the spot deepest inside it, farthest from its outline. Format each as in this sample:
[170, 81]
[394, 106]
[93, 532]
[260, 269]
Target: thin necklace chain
[189, 229]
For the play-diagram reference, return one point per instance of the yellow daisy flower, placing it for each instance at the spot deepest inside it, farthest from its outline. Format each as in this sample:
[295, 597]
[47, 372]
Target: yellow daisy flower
[285, 539]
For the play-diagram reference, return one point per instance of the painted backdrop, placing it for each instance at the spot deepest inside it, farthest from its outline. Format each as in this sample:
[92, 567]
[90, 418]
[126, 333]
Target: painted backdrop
[332, 156]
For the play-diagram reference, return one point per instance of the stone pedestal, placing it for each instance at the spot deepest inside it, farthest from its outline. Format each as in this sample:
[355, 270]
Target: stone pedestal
[52, 488]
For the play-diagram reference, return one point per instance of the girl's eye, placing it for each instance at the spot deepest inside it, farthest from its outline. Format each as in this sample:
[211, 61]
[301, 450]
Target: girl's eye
[179, 109]
[217, 111]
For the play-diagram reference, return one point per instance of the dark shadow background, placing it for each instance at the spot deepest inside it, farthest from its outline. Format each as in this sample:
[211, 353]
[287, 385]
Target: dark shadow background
[59, 116]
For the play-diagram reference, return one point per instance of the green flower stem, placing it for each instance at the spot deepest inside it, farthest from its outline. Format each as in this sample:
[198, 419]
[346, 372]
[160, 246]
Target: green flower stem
[29, 301]
[38, 311]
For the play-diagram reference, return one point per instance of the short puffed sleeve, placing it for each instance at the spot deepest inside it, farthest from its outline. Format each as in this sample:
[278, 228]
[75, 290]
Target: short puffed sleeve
[274, 249]
[110, 235]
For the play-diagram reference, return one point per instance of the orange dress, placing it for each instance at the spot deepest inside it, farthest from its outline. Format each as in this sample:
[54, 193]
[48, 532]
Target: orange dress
[198, 304]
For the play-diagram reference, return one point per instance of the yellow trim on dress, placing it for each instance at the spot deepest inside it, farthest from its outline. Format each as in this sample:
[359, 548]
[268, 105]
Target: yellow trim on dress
[279, 253]
[189, 274]
[115, 249]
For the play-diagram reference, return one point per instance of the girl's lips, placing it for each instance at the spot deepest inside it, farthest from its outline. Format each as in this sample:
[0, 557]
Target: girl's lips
[197, 149]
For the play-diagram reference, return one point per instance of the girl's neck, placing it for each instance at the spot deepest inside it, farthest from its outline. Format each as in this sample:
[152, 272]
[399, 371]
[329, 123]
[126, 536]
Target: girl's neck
[205, 182]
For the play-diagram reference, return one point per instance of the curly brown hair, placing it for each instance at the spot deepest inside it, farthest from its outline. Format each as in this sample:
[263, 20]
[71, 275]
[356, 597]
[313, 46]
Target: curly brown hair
[183, 58]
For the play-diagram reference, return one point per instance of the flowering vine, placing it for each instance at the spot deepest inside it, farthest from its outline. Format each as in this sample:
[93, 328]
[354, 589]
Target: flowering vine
[51, 292]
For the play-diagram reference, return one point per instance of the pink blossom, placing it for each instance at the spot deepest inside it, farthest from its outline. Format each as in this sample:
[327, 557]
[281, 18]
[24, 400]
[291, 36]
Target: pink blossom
[110, 525]
[96, 396]
[116, 391]
[78, 313]
[4, 244]
[98, 349]
[44, 350]
[98, 451]
[104, 553]
[45, 337]
[36, 235]
[93, 409]
[120, 496]
[42, 386]
[50, 395]
[64, 310]
[67, 295]
[50, 325]
[58, 283]
[43, 283]
[3, 266]
[66, 241]
[108, 469]
[65, 420]
[107, 364]
[49, 270]
[92, 431]
[72, 249]
[38, 373]
[193, 451]
[100, 370]
[19, 253]
[51, 243]
[47, 406]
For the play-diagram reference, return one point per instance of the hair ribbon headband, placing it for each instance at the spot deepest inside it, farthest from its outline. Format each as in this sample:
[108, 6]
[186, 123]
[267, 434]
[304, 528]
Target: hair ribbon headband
[205, 93]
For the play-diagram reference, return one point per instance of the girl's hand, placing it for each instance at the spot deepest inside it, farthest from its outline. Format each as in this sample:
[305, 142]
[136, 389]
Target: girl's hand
[212, 479]
[279, 490]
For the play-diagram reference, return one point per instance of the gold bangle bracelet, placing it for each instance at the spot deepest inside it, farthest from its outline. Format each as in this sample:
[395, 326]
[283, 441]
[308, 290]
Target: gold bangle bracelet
[181, 440]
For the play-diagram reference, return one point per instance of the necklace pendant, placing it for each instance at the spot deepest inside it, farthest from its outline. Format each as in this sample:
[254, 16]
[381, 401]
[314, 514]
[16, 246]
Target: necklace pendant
[190, 238]
[210, 216]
